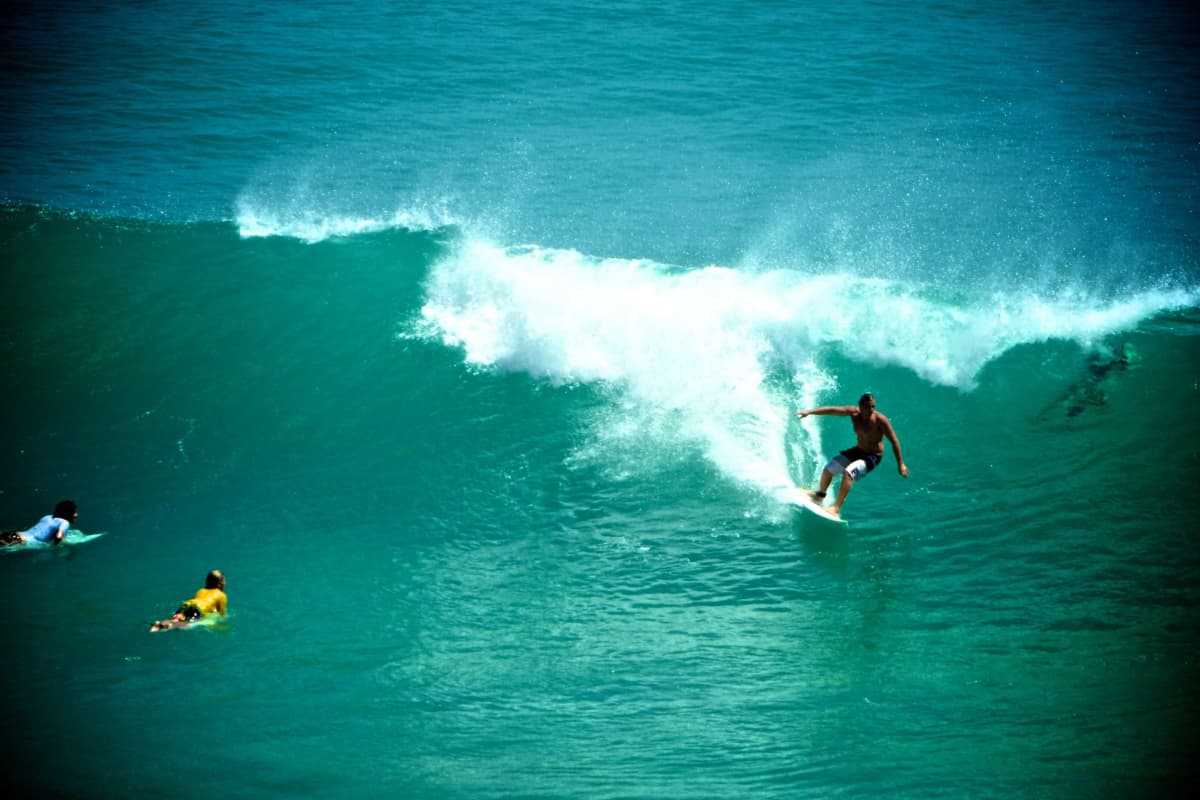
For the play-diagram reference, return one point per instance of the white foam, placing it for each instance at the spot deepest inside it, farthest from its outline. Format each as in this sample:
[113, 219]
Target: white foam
[701, 345]
[310, 225]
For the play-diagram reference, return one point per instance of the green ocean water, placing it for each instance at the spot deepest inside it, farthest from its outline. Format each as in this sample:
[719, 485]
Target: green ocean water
[462, 580]
[467, 340]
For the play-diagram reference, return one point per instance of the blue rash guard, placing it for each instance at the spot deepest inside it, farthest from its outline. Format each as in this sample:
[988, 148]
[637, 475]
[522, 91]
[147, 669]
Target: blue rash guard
[46, 528]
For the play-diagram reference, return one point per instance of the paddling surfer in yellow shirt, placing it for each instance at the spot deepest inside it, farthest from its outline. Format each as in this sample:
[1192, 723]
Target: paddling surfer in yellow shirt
[209, 600]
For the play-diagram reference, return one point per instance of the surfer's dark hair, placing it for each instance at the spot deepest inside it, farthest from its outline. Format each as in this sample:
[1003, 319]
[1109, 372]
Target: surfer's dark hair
[213, 581]
[65, 508]
[866, 396]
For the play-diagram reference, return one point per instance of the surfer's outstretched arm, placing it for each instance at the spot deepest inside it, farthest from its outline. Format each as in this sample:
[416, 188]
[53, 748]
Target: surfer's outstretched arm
[832, 411]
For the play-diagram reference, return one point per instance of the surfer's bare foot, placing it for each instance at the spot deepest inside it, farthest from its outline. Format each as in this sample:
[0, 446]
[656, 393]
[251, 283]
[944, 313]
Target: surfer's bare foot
[834, 511]
[818, 496]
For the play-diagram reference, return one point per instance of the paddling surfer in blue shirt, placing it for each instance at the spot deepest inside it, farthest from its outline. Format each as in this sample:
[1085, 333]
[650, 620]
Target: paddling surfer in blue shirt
[49, 529]
[871, 428]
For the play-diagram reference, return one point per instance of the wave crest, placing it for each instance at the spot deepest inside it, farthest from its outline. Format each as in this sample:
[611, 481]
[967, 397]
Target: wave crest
[711, 344]
[309, 225]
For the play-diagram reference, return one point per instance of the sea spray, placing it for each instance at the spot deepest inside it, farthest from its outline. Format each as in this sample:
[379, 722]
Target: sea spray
[302, 221]
[704, 346]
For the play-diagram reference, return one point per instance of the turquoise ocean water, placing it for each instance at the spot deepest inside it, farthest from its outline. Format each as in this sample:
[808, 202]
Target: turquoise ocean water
[466, 338]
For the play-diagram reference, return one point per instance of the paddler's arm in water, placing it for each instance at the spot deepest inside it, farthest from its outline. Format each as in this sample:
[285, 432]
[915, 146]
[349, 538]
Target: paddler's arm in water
[833, 411]
[891, 437]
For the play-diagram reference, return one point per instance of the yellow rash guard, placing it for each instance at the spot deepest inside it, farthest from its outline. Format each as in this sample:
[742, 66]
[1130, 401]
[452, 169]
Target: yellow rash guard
[206, 601]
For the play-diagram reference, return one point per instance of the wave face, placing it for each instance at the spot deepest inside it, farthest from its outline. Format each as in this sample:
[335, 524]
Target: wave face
[467, 342]
[512, 479]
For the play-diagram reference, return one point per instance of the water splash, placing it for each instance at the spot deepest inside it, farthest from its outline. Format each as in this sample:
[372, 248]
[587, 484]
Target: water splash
[300, 221]
[696, 355]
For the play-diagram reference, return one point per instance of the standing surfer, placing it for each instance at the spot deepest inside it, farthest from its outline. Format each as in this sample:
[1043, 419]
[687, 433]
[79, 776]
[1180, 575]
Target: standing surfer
[870, 427]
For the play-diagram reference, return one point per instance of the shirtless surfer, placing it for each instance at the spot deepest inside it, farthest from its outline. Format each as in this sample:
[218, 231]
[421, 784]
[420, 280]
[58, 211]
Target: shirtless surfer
[871, 428]
[209, 600]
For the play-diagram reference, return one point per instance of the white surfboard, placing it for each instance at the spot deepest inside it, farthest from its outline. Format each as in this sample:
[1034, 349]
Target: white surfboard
[74, 537]
[811, 509]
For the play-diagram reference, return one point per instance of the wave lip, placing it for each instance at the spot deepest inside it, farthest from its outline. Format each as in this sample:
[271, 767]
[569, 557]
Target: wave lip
[948, 341]
[564, 316]
[311, 226]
